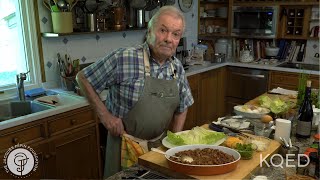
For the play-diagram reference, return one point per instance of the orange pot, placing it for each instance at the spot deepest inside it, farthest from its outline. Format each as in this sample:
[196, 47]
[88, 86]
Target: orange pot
[202, 170]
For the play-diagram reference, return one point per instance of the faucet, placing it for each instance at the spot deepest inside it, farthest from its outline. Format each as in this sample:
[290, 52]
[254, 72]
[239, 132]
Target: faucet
[20, 86]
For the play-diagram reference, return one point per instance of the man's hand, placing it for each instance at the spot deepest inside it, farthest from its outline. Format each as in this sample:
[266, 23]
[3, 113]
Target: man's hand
[113, 124]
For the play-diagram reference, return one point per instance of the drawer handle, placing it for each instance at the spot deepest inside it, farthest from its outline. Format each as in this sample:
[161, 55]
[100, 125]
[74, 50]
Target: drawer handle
[73, 121]
[15, 140]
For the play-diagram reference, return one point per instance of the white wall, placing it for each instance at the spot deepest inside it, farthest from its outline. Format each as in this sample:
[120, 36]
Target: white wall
[90, 47]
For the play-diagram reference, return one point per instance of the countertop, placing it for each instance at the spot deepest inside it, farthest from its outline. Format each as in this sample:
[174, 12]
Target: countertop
[192, 70]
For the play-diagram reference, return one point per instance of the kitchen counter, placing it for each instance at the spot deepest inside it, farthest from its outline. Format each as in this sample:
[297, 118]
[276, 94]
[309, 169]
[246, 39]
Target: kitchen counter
[192, 70]
[196, 69]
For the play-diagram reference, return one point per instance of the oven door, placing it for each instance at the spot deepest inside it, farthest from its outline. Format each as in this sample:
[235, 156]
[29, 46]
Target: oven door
[246, 83]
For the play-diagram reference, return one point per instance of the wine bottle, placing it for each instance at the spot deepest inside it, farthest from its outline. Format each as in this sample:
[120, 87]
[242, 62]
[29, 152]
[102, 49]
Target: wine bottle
[305, 115]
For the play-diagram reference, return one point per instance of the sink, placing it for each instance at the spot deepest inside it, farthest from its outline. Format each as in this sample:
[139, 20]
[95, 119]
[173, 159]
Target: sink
[14, 109]
[59, 99]
[312, 67]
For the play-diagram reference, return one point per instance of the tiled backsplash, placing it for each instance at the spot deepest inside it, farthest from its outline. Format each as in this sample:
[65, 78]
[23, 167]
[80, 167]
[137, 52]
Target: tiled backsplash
[90, 47]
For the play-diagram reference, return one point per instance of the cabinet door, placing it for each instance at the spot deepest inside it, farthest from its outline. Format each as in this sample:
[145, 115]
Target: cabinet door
[213, 18]
[192, 115]
[208, 97]
[294, 22]
[75, 155]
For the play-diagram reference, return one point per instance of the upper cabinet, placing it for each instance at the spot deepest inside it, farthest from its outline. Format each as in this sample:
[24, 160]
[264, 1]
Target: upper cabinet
[294, 22]
[214, 18]
[293, 19]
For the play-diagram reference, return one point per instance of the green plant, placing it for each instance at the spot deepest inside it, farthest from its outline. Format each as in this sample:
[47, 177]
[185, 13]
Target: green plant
[301, 87]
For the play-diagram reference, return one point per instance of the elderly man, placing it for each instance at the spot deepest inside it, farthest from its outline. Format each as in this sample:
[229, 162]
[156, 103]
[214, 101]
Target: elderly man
[148, 90]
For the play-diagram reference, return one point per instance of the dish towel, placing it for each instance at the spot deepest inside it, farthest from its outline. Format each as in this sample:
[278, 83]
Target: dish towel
[131, 149]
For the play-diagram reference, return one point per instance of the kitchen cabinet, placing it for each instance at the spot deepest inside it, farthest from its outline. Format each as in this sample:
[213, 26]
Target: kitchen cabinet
[212, 90]
[66, 144]
[208, 92]
[289, 80]
[192, 114]
[213, 18]
[294, 22]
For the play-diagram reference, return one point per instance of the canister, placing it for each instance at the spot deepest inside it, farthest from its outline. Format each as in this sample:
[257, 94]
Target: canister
[221, 46]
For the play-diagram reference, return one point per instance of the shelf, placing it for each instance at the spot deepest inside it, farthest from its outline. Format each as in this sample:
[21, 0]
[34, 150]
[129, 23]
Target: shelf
[214, 17]
[314, 20]
[313, 38]
[213, 2]
[272, 3]
[54, 35]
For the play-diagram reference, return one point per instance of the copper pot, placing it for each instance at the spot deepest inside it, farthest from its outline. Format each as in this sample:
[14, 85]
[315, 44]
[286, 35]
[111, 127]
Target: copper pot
[202, 170]
[119, 15]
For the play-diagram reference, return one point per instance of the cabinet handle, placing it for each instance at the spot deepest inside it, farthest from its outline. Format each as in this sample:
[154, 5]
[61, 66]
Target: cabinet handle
[249, 75]
[15, 140]
[73, 121]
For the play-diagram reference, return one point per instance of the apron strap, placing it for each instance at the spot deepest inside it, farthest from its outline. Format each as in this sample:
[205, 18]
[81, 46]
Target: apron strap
[146, 63]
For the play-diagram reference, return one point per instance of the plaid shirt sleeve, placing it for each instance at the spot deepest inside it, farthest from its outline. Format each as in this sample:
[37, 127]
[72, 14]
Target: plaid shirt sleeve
[186, 98]
[102, 73]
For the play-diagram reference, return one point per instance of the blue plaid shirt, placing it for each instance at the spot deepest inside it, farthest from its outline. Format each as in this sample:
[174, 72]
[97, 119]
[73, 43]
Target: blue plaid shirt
[122, 72]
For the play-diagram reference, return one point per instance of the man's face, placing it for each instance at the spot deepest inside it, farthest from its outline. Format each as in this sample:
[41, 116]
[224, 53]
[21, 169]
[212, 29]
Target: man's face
[165, 36]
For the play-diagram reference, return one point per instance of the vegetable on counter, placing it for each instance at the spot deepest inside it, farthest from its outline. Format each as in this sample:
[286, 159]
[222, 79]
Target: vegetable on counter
[246, 150]
[197, 135]
[276, 105]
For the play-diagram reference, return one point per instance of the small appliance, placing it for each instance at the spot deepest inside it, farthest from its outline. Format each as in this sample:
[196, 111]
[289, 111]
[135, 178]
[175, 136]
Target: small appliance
[254, 21]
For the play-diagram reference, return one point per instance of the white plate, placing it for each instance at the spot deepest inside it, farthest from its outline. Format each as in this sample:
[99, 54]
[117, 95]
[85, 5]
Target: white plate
[167, 144]
[238, 110]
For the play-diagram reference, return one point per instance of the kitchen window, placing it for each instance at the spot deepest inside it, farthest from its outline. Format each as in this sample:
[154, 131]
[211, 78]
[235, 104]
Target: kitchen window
[18, 45]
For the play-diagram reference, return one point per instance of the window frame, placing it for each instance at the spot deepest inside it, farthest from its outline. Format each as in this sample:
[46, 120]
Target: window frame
[29, 25]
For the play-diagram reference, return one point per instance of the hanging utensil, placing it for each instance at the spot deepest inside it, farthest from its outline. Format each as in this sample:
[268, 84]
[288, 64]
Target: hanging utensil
[62, 5]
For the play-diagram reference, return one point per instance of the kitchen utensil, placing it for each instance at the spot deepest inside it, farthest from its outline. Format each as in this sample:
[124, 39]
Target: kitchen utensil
[62, 5]
[289, 152]
[182, 158]
[202, 170]
[284, 142]
[290, 143]
[138, 4]
[271, 51]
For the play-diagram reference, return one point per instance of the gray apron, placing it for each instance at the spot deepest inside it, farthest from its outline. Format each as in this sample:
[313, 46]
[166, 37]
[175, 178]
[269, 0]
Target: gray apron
[149, 117]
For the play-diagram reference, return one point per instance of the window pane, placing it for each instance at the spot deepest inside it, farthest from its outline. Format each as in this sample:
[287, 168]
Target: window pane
[12, 59]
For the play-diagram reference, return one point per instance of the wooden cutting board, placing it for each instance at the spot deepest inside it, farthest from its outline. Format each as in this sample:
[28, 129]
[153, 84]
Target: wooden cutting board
[158, 162]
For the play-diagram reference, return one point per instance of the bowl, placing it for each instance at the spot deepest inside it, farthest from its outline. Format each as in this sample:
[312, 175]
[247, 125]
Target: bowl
[250, 111]
[202, 170]
[271, 51]
[246, 150]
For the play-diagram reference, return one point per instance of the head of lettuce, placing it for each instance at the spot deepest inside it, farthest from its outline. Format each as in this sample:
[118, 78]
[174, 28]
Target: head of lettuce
[198, 135]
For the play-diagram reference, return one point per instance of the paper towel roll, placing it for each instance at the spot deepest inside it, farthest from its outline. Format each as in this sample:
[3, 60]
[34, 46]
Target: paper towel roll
[283, 129]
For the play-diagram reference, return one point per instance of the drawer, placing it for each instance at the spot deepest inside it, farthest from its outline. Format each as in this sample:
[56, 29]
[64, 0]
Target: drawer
[25, 135]
[70, 120]
[286, 79]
